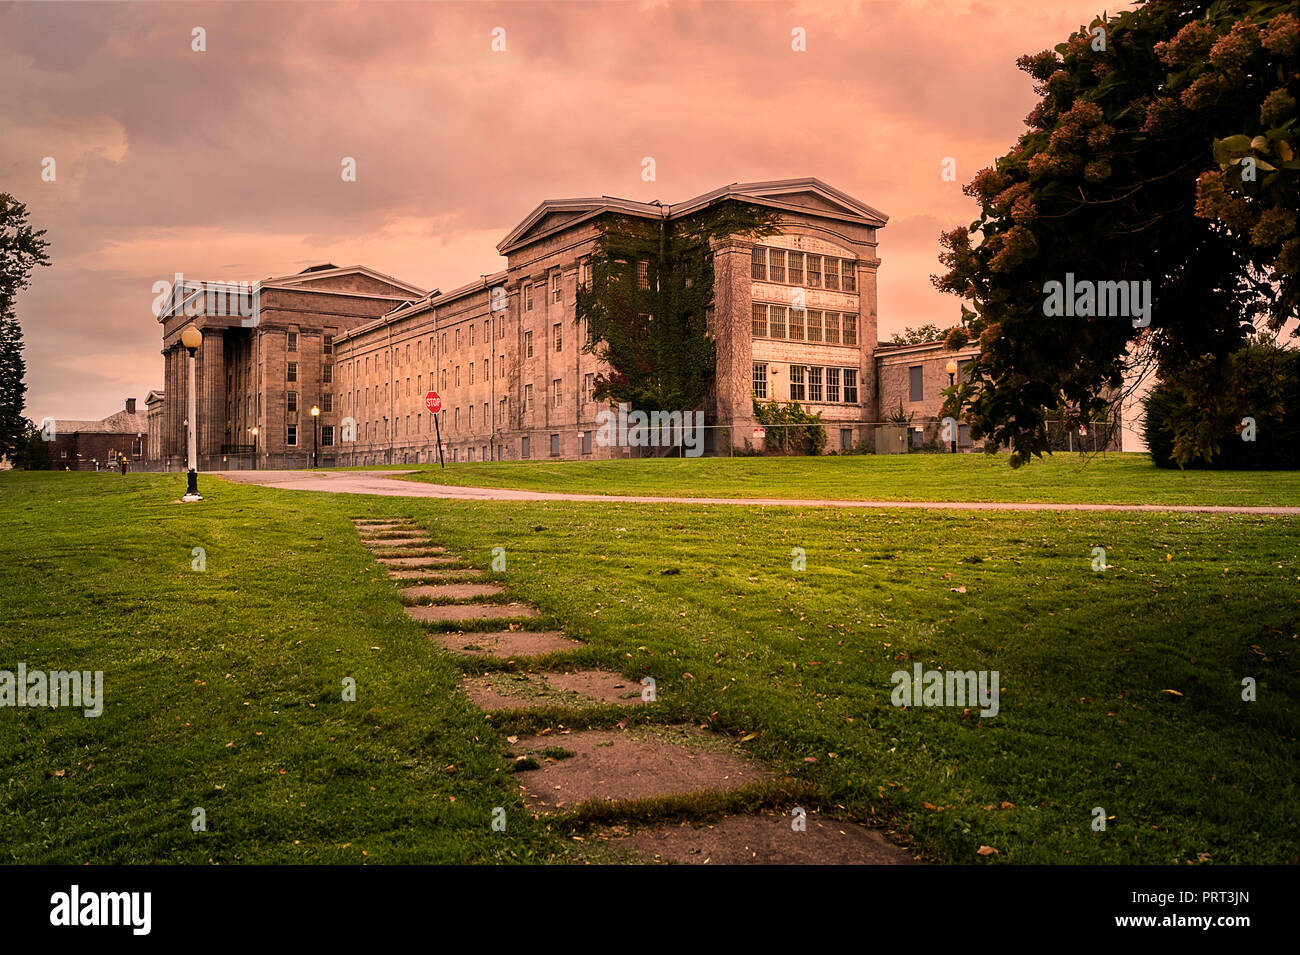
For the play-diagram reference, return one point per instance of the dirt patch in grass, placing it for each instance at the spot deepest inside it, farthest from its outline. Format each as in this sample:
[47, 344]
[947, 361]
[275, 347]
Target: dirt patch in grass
[503, 691]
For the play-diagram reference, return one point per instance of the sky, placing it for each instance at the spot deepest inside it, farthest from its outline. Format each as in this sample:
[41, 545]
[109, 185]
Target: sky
[226, 163]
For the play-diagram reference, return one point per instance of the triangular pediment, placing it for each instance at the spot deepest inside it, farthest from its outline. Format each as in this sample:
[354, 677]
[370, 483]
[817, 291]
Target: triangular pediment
[352, 278]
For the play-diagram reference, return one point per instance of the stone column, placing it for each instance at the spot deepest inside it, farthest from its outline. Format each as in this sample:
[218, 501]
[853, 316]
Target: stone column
[732, 333]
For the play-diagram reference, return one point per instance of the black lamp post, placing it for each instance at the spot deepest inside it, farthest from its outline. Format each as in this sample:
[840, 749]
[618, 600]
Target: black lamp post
[254, 432]
[315, 436]
[191, 339]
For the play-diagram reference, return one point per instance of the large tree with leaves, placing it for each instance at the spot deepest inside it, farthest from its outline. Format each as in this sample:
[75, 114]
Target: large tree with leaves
[646, 303]
[21, 250]
[1163, 150]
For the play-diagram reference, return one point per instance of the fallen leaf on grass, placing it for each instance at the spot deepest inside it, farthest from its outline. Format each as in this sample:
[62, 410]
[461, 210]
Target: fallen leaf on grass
[987, 851]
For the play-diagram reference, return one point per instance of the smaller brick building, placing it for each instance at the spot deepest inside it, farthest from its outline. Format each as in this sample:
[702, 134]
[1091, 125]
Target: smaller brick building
[86, 445]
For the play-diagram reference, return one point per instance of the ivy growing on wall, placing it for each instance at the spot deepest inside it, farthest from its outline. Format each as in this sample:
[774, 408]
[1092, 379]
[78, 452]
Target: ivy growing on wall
[646, 302]
[790, 428]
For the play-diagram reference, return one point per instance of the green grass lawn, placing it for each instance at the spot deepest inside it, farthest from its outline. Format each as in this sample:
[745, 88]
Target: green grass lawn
[1063, 478]
[97, 575]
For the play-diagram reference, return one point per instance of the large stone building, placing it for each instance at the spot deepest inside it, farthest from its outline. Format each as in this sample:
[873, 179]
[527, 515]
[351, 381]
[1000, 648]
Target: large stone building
[793, 319]
[98, 445]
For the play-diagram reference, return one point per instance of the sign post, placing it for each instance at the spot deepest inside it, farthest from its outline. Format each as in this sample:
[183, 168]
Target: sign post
[434, 404]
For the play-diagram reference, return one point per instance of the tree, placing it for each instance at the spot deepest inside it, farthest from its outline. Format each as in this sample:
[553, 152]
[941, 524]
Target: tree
[1134, 169]
[33, 453]
[645, 305]
[920, 336]
[21, 250]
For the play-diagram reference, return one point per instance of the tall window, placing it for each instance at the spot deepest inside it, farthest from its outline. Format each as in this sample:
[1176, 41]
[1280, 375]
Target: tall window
[758, 264]
[501, 364]
[848, 275]
[797, 391]
[814, 270]
[327, 373]
[458, 339]
[760, 320]
[471, 336]
[776, 321]
[557, 394]
[293, 341]
[327, 341]
[814, 383]
[327, 435]
[291, 436]
[528, 344]
[796, 324]
[588, 385]
[832, 275]
[760, 380]
[555, 445]
[559, 337]
[643, 273]
[776, 265]
[915, 384]
[849, 328]
[795, 267]
[486, 371]
[831, 322]
[850, 386]
[291, 371]
[528, 298]
[814, 326]
[528, 398]
[832, 384]
[327, 401]
[471, 373]
[291, 401]
[555, 286]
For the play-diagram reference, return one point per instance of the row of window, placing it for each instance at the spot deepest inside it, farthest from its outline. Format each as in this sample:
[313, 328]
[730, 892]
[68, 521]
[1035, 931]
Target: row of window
[811, 383]
[326, 436]
[804, 325]
[327, 341]
[804, 269]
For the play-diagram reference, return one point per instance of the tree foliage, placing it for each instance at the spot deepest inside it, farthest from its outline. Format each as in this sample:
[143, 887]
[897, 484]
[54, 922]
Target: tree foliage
[647, 301]
[1133, 170]
[790, 427]
[920, 336]
[21, 250]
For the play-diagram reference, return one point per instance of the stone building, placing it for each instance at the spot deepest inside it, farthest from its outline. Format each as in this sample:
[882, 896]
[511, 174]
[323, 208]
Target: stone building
[266, 360]
[97, 445]
[505, 353]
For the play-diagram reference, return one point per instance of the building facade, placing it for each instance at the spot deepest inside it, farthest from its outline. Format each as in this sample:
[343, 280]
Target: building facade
[99, 445]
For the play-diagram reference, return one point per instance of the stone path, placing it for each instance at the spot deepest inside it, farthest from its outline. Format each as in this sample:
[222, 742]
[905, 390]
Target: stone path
[605, 774]
[382, 483]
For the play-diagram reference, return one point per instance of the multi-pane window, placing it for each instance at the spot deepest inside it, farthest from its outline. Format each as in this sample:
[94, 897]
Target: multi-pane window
[832, 384]
[559, 336]
[832, 328]
[291, 401]
[528, 298]
[797, 391]
[796, 324]
[776, 320]
[814, 270]
[557, 392]
[832, 273]
[471, 373]
[760, 320]
[815, 383]
[293, 341]
[585, 270]
[758, 264]
[327, 373]
[849, 275]
[794, 268]
[327, 341]
[760, 380]
[291, 371]
[471, 417]
[486, 372]
[776, 265]
[528, 344]
[487, 420]
[555, 286]
[849, 328]
[814, 326]
[327, 401]
[588, 386]
[643, 273]
[458, 376]
[502, 407]
[327, 435]
[291, 436]
[528, 398]
[458, 339]
[501, 364]
[850, 386]
[915, 384]
[471, 336]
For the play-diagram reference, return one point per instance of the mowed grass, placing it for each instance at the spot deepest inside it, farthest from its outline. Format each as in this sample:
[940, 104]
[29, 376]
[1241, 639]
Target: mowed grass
[1061, 478]
[223, 688]
[1120, 689]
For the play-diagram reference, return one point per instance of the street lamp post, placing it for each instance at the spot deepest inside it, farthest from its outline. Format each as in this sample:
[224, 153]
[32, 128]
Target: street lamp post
[254, 431]
[192, 338]
[315, 436]
[952, 374]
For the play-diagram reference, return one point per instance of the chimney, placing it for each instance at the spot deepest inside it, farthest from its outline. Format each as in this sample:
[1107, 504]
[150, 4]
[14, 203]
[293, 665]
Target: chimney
[130, 406]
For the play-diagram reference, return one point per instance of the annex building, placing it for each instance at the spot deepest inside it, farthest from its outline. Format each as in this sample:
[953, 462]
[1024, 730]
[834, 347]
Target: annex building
[505, 353]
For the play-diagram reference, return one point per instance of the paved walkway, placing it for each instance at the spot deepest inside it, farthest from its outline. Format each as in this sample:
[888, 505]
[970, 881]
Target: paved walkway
[382, 483]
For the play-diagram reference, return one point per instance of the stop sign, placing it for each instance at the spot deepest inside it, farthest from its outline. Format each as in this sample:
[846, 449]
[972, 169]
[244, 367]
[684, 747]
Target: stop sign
[433, 402]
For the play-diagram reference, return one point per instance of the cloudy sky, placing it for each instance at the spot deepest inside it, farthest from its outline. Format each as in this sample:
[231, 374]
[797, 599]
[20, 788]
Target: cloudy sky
[225, 164]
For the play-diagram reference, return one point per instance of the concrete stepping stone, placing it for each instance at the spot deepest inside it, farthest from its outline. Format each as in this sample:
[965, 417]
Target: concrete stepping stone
[416, 561]
[507, 691]
[434, 575]
[451, 591]
[505, 644]
[624, 765]
[399, 542]
[766, 839]
[452, 613]
[386, 526]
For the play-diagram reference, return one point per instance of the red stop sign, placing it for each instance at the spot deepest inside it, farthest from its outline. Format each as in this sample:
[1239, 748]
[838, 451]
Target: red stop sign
[433, 402]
